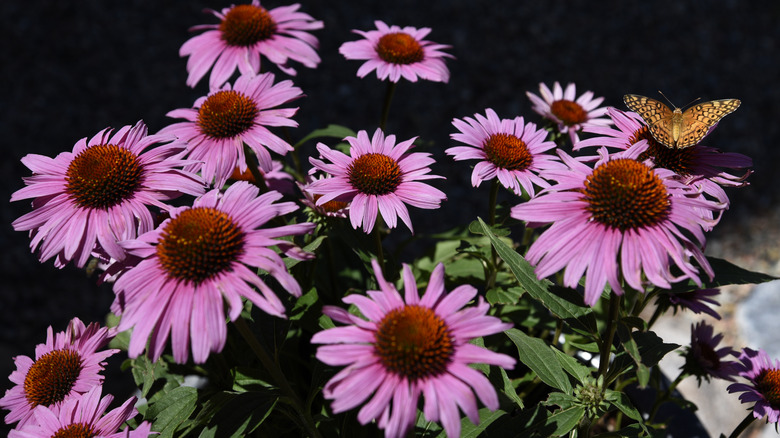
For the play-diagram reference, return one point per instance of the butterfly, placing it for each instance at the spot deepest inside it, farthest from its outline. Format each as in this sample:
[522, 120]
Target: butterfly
[678, 129]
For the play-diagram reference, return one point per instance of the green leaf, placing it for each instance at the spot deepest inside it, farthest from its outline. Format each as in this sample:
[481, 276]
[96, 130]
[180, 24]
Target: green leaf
[145, 373]
[572, 366]
[332, 131]
[564, 401]
[621, 401]
[564, 303]
[651, 350]
[172, 409]
[541, 359]
[629, 345]
[504, 296]
[728, 273]
[303, 304]
[247, 378]
[509, 389]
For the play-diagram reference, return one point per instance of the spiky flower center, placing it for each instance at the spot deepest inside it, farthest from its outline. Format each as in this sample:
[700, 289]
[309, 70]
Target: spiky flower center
[226, 114]
[246, 25]
[677, 160]
[51, 377]
[76, 430]
[399, 48]
[768, 384]
[374, 174]
[625, 194]
[414, 342]
[102, 176]
[568, 112]
[198, 244]
[507, 152]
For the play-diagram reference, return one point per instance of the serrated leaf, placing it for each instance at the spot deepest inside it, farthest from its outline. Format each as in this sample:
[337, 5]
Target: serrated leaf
[540, 358]
[172, 409]
[621, 401]
[145, 373]
[572, 366]
[564, 401]
[332, 131]
[568, 307]
[509, 295]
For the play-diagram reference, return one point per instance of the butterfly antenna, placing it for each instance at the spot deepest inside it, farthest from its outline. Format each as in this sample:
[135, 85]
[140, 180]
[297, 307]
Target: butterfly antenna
[692, 102]
[673, 105]
[667, 99]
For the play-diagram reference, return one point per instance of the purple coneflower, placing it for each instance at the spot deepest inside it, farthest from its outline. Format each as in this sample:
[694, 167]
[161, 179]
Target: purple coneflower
[246, 32]
[68, 364]
[87, 200]
[621, 221]
[84, 416]
[764, 387]
[569, 112]
[409, 346]
[396, 52]
[508, 149]
[377, 177]
[200, 260]
[219, 125]
[704, 361]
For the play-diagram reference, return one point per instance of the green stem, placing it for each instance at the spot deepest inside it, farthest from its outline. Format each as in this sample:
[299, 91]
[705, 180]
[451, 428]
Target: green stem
[492, 206]
[493, 272]
[380, 253]
[386, 106]
[743, 425]
[276, 373]
[606, 346]
[251, 161]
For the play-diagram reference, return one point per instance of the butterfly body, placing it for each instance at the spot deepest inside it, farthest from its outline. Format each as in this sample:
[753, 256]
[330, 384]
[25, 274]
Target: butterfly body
[678, 129]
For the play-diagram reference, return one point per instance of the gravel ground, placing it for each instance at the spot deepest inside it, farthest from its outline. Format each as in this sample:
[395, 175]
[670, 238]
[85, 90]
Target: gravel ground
[72, 68]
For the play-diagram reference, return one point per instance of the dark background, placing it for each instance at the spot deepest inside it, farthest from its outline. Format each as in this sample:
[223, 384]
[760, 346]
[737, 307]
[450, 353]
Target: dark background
[72, 68]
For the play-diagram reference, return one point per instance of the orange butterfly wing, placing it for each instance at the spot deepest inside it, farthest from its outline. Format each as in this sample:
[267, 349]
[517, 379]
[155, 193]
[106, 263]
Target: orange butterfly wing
[656, 114]
[699, 119]
[677, 129]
